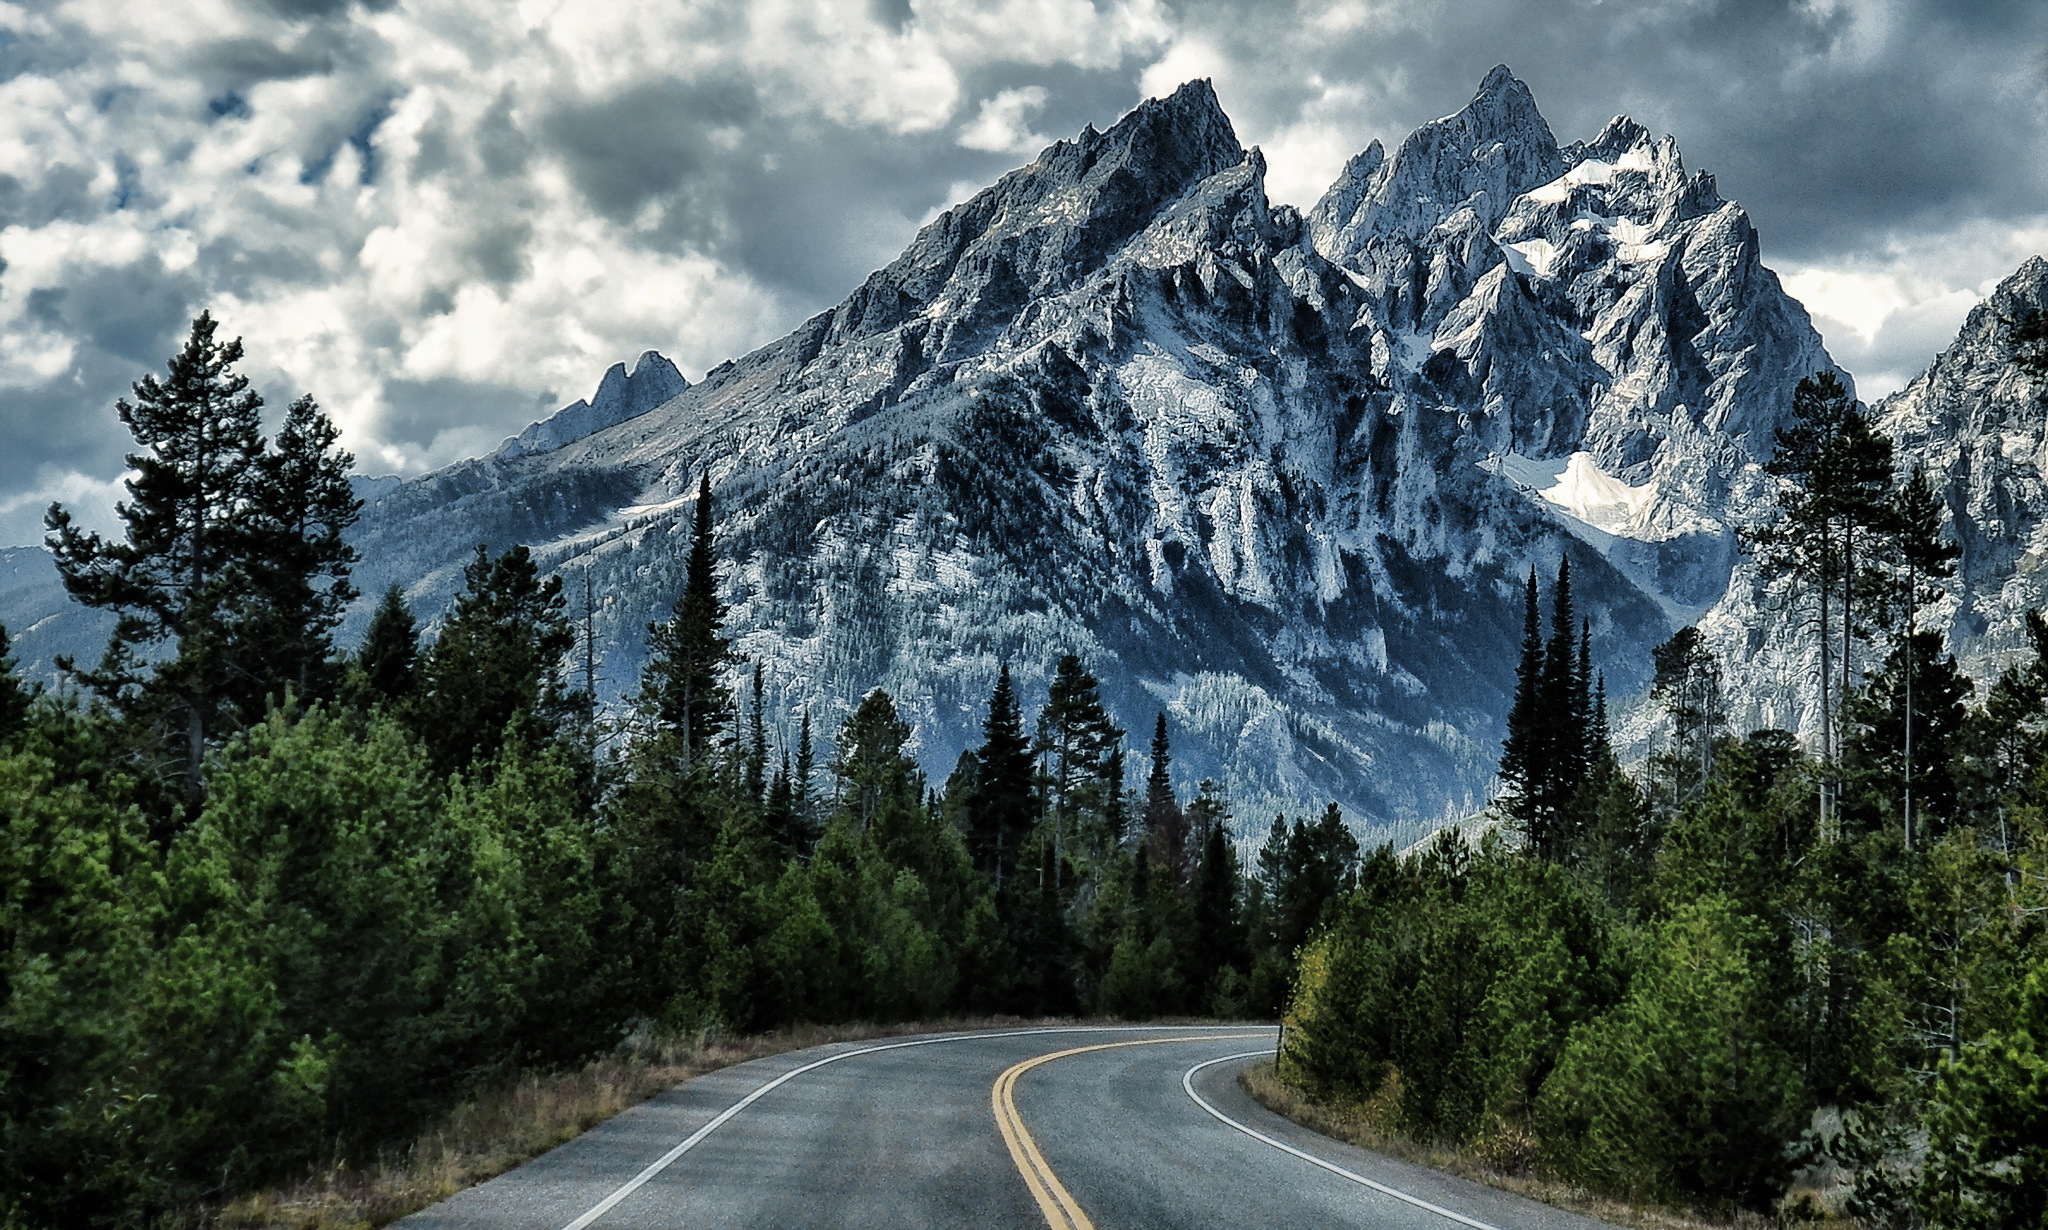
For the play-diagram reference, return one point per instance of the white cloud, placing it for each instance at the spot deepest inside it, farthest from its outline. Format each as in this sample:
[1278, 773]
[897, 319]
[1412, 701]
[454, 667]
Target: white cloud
[89, 500]
[1885, 313]
[1004, 123]
[1187, 59]
[374, 199]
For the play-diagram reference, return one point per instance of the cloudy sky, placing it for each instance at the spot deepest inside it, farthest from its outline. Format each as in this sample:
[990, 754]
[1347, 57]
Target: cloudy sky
[444, 218]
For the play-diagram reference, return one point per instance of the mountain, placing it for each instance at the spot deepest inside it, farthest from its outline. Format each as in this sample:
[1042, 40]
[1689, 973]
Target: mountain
[1278, 475]
[619, 397]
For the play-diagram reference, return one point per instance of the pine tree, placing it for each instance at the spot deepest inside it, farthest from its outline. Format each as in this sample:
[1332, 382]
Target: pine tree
[1924, 555]
[1076, 738]
[388, 661]
[1563, 712]
[1166, 825]
[300, 507]
[870, 761]
[1002, 810]
[1687, 679]
[1834, 514]
[683, 687]
[802, 779]
[1218, 938]
[15, 696]
[778, 814]
[756, 766]
[1115, 810]
[498, 658]
[183, 572]
[1918, 685]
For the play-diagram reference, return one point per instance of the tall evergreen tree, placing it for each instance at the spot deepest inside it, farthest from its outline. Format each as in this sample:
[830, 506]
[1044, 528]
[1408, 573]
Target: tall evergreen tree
[1218, 936]
[1166, 825]
[183, 572]
[1076, 738]
[756, 765]
[1920, 685]
[803, 777]
[1002, 809]
[1924, 556]
[388, 661]
[15, 696]
[1564, 707]
[683, 687]
[870, 761]
[778, 813]
[299, 508]
[1524, 753]
[1687, 680]
[1116, 805]
[1834, 514]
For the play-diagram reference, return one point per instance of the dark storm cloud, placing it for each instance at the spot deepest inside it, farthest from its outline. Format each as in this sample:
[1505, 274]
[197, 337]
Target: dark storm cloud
[668, 142]
[1827, 122]
[806, 206]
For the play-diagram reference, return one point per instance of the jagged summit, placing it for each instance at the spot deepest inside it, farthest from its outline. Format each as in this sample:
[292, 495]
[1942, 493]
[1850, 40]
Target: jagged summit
[1271, 474]
[619, 397]
[1039, 228]
[1479, 158]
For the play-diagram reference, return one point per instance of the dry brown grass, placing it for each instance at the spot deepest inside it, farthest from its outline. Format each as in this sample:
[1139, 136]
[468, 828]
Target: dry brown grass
[1504, 1158]
[504, 1126]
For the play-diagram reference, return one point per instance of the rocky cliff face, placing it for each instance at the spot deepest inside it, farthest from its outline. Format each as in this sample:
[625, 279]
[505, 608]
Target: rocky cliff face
[1978, 422]
[1278, 476]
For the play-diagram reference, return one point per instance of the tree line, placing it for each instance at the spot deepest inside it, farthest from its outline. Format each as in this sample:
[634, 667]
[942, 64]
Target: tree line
[265, 901]
[1747, 960]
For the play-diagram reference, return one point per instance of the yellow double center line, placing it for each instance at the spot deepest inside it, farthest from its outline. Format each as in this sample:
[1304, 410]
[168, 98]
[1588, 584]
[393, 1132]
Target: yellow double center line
[1062, 1211]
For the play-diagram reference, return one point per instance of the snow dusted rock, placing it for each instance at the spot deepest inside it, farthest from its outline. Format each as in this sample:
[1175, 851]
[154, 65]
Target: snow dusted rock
[1978, 423]
[619, 397]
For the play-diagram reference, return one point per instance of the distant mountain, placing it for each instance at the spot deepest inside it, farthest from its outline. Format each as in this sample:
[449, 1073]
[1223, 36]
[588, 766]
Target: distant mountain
[1279, 476]
[619, 397]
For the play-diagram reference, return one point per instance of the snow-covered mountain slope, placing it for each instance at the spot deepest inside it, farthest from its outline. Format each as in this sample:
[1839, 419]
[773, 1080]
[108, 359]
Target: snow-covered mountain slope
[1279, 476]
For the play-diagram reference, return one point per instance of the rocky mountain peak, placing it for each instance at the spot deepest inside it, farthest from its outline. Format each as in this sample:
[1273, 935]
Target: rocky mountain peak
[1481, 157]
[620, 396]
[1977, 420]
[1039, 229]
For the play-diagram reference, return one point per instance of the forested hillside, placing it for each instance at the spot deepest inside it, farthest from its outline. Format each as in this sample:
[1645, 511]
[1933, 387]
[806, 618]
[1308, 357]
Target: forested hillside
[265, 902]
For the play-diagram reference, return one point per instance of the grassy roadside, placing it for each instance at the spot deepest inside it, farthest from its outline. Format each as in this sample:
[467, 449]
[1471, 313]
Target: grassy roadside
[1506, 1162]
[505, 1125]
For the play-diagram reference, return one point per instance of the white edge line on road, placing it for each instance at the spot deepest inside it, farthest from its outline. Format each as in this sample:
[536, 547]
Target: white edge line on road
[634, 1184]
[1187, 1082]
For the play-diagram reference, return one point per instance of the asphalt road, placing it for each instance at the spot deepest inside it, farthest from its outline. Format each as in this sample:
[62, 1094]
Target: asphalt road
[1120, 1129]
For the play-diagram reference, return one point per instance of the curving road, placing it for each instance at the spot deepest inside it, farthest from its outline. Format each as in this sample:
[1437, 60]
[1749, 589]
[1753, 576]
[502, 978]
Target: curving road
[1078, 1128]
